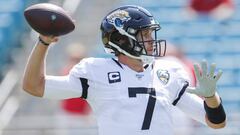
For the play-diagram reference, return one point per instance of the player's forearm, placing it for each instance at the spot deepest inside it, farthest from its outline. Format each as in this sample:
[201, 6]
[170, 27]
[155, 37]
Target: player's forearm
[33, 81]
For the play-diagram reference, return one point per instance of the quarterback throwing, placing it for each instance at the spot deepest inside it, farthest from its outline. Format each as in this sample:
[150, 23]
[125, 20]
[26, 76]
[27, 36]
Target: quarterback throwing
[134, 92]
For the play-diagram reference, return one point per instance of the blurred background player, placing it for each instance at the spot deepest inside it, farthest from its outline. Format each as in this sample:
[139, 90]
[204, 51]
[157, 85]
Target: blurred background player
[73, 111]
[217, 9]
[78, 106]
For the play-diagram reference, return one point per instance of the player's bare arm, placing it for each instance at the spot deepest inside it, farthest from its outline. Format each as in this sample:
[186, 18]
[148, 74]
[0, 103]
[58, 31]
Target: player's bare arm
[206, 88]
[46, 19]
[33, 80]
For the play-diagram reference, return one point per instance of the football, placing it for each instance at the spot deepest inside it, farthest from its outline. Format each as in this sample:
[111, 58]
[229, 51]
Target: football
[49, 19]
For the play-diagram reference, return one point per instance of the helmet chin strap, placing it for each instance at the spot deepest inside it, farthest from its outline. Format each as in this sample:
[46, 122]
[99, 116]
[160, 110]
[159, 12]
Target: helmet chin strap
[144, 58]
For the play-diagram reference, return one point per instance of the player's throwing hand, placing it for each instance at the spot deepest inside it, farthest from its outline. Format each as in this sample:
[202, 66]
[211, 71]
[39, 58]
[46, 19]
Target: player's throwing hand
[46, 40]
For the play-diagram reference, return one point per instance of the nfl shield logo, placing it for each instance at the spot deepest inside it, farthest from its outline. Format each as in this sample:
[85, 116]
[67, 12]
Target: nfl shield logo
[163, 76]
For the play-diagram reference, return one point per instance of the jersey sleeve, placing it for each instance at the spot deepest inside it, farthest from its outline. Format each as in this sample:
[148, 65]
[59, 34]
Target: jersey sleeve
[179, 79]
[70, 86]
[181, 83]
[192, 106]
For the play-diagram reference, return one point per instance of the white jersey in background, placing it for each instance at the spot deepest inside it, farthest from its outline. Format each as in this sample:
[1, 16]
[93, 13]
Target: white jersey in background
[127, 102]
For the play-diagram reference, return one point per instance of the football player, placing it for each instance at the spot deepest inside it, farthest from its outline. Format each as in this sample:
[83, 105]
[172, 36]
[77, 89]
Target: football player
[132, 93]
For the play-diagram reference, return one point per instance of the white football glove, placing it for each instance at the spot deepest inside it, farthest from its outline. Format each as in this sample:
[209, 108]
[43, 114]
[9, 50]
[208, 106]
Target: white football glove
[206, 82]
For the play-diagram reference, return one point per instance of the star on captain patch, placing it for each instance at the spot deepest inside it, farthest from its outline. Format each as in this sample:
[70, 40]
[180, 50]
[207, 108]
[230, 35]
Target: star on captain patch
[163, 76]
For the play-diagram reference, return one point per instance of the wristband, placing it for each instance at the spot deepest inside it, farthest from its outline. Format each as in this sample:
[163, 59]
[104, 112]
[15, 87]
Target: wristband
[215, 115]
[43, 42]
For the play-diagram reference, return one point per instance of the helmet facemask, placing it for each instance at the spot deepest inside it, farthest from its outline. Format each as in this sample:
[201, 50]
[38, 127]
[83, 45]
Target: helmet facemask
[135, 46]
[157, 47]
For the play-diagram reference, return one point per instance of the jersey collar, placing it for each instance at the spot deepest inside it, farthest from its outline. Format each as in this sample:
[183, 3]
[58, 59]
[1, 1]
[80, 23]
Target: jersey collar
[145, 66]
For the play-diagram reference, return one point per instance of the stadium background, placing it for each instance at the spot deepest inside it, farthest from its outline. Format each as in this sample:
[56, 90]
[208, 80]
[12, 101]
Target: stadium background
[217, 41]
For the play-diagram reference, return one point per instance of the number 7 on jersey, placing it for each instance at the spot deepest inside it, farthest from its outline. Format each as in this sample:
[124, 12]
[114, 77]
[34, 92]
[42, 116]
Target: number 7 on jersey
[150, 105]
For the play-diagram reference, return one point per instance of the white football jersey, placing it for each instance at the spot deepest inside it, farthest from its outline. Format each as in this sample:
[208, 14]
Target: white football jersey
[127, 102]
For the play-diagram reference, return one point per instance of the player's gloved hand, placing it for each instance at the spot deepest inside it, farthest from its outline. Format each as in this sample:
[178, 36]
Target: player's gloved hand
[206, 82]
